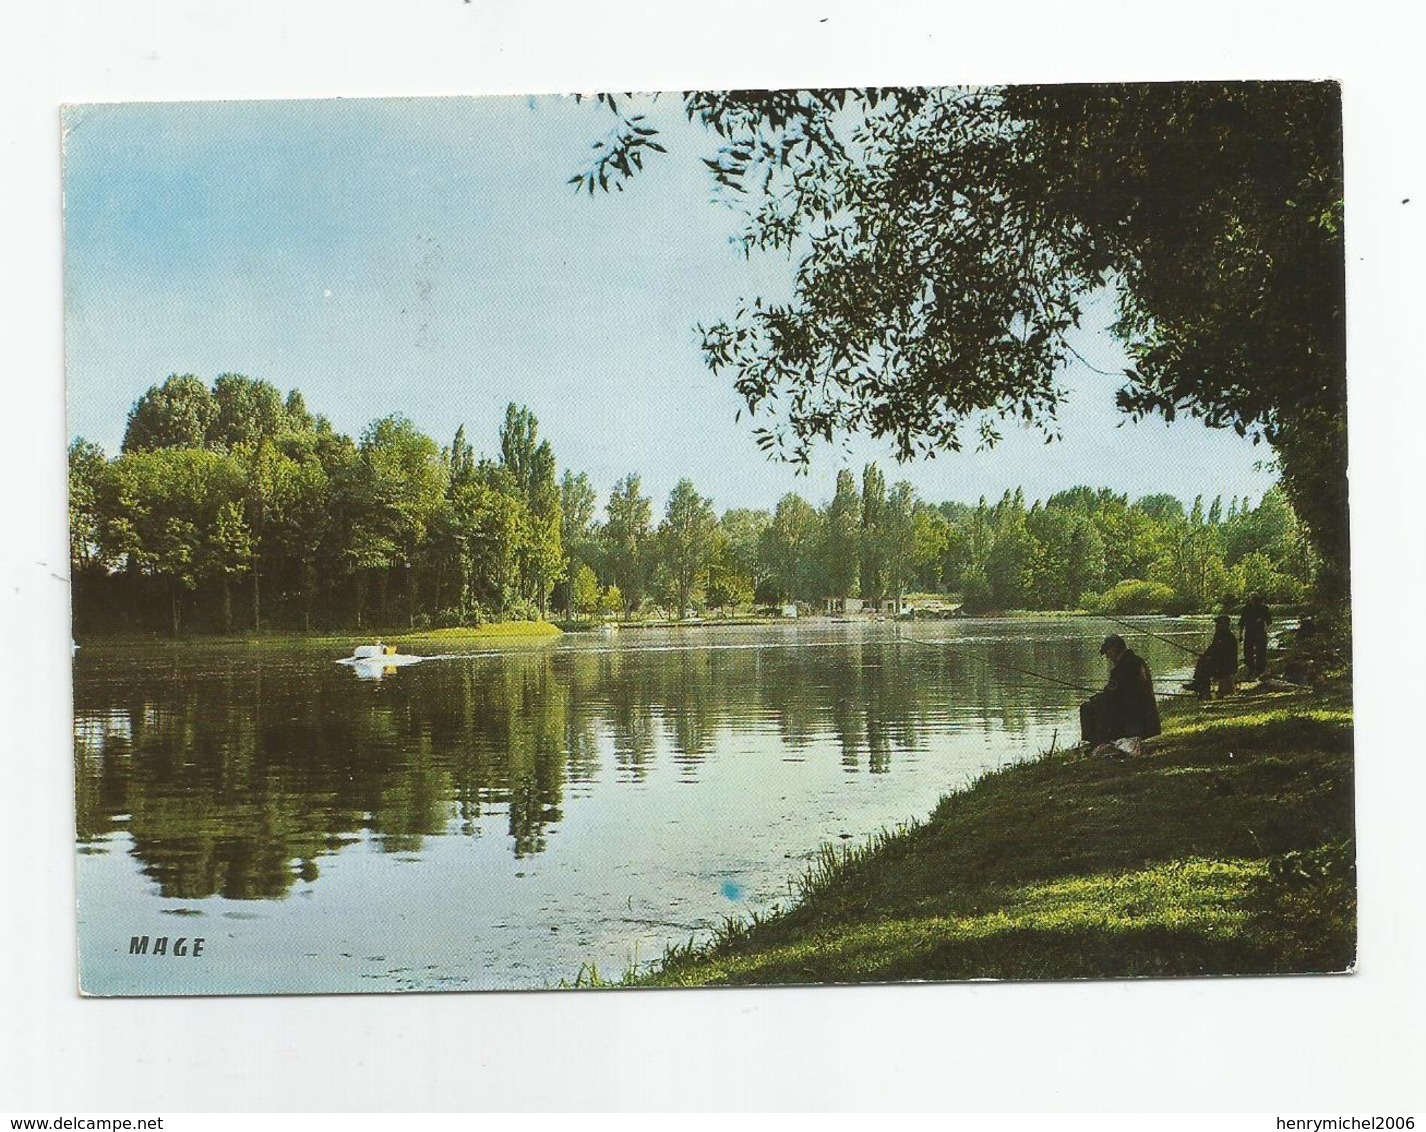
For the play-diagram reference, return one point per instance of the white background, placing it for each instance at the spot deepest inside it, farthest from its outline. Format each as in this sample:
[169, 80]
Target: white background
[1285, 1045]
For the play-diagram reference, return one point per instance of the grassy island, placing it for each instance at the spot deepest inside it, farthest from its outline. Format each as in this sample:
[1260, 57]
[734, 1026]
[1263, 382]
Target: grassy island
[1227, 849]
[497, 634]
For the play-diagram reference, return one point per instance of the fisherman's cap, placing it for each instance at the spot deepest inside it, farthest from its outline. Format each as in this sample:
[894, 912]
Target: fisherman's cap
[1113, 641]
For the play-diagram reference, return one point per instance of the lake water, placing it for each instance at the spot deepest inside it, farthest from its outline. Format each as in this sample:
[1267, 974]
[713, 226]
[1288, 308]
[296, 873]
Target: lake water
[503, 820]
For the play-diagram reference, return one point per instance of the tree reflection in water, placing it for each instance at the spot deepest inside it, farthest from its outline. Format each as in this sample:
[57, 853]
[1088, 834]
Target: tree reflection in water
[234, 774]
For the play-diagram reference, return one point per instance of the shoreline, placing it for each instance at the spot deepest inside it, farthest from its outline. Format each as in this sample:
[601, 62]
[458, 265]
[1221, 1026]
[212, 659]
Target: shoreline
[1227, 849]
[558, 626]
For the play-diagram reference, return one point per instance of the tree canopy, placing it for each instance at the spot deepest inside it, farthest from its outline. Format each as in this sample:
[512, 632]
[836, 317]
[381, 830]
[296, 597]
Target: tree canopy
[944, 242]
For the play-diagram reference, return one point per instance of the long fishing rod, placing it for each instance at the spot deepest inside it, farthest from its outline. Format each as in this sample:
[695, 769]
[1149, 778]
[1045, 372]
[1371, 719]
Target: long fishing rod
[1000, 664]
[1150, 633]
[1015, 668]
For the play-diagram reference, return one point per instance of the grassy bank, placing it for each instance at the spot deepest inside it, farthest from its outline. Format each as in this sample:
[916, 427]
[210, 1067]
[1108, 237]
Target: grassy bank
[712, 621]
[500, 633]
[1227, 849]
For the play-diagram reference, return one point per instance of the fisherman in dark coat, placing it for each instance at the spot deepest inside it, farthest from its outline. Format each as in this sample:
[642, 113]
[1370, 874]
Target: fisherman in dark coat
[1219, 662]
[1254, 624]
[1126, 709]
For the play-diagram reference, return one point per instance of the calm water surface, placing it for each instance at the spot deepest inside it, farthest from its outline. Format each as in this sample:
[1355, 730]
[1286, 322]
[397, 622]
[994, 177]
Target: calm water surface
[502, 820]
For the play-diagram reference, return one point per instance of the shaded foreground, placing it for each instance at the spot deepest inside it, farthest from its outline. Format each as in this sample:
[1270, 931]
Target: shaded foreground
[1228, 849]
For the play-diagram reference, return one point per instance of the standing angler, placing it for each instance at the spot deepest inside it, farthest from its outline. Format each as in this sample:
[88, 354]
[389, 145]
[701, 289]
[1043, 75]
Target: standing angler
[1254, 624]
[1125, 712]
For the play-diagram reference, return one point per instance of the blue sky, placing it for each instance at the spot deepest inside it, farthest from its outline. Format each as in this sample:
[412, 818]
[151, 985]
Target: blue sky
[428, 256]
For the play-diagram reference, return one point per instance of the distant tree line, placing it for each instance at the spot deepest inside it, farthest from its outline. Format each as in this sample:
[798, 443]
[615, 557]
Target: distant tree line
[233, 507]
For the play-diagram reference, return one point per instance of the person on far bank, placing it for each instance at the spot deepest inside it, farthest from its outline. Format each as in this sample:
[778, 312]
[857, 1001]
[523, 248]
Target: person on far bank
[1253, 623]
[1125, 713]
[1219, 662]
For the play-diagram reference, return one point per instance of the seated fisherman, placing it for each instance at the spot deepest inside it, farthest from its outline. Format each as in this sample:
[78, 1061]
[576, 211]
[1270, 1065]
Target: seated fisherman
[1126, 709]
[1218, 664]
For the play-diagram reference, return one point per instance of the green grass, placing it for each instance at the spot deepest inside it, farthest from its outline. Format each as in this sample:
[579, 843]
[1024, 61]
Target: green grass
[1227, 849]
[497, 633]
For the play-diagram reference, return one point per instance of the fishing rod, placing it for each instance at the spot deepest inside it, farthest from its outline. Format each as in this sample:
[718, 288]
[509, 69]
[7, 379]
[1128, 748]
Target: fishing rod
[1015, 668]
[1000, 664]
[1150, 633]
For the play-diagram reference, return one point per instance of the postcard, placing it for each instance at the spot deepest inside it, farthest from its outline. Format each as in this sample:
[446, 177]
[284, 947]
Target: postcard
[717, 538]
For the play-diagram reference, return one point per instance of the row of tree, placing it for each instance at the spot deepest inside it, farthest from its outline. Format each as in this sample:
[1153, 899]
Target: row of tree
[1081, 547]
[236, 488]
[235, 497]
